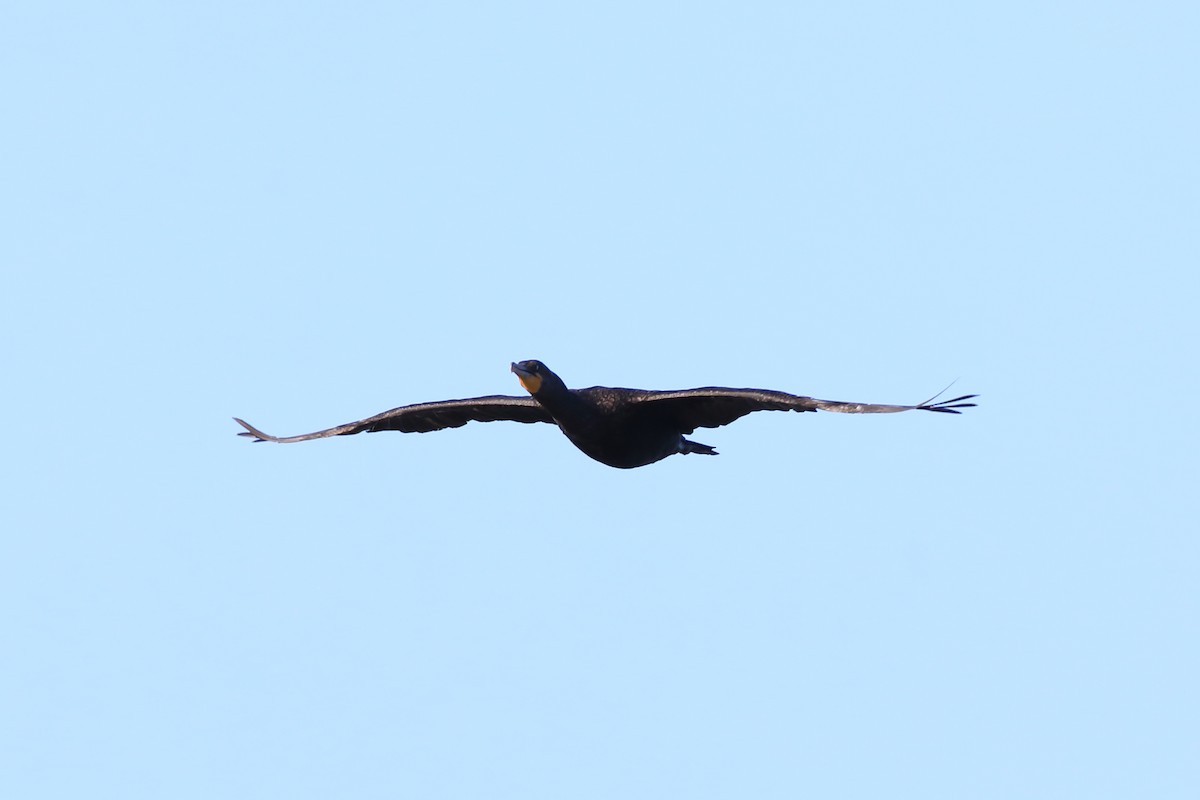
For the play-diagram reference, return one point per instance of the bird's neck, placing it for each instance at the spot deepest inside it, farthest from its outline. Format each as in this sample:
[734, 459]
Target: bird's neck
[565, 406]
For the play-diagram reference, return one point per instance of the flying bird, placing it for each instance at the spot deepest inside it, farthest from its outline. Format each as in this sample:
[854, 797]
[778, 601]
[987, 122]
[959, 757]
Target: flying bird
[622, 428]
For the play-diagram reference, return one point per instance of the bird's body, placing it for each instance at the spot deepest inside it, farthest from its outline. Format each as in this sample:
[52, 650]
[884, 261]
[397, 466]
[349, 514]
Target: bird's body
[622, 428]
[616, 427]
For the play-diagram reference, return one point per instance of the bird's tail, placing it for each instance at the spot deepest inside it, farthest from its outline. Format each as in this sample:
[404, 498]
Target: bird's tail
[687, 446]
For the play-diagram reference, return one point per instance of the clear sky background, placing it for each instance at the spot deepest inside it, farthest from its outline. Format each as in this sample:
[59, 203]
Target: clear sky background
[303, 215]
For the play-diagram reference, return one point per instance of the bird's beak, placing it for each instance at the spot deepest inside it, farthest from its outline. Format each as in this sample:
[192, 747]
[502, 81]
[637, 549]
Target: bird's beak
[530, 381]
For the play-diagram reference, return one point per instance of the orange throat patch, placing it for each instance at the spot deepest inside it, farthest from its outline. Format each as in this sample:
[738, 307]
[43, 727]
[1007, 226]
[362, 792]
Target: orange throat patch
[531, 382]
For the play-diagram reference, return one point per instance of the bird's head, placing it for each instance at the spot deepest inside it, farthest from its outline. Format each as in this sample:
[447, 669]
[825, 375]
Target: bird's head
[535, 376]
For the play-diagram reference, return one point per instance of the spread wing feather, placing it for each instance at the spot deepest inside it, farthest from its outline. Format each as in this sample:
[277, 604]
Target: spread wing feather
[713, 406]
[425, 417]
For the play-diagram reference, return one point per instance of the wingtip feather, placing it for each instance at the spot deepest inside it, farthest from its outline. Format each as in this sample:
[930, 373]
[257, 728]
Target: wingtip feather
[949, 406]
[251, 431]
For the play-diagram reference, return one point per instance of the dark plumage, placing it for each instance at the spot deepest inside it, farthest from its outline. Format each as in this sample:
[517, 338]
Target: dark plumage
[622, 428]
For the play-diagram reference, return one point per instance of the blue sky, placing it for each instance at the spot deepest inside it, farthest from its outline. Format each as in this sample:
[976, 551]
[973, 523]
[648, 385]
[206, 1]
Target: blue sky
[304, 215]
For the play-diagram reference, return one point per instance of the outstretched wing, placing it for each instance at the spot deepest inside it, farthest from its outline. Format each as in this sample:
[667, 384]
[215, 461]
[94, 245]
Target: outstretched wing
[713, 406]
[424, 417]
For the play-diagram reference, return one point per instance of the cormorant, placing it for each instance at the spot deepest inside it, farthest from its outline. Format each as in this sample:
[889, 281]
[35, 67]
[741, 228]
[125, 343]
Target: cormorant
[622, 428]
